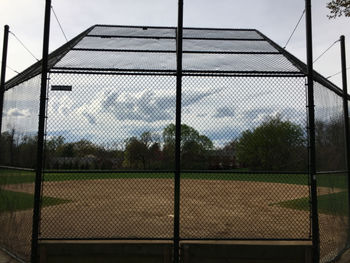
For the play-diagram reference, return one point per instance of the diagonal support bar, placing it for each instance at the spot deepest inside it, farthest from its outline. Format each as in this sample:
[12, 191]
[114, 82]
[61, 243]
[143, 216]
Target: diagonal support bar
[3, 72]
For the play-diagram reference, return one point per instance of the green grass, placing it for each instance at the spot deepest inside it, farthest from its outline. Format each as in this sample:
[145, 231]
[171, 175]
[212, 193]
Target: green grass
[327, 203]
[15, 201]
[8, 176]
[299, 179]
[331, 204]
[327, 180]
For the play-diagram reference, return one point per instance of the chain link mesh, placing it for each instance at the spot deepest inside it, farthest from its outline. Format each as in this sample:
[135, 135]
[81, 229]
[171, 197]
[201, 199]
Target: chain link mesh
[109, 122]
[110, 142]
[126, 124]
[332, 178]
[17, 160]
[257, 130]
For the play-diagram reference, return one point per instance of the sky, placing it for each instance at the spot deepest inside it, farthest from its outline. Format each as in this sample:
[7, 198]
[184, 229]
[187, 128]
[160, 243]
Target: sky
[275, 18]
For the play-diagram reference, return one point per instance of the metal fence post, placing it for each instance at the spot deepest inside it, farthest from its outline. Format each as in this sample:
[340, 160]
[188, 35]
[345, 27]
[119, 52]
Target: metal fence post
[41, 131]
[311, 132]
[178, 133]
[346, 117]
[3, 73]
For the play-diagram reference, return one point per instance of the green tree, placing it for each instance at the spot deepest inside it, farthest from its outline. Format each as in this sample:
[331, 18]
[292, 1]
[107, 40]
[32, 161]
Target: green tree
[84, 147]
[52, 146]
[136, 154]
[330, 145]
[155, 156]
[338, 8]
[194, 147]
[275, 145]
[225, 157]
[143, 152]
[7, 147]
[26, 151]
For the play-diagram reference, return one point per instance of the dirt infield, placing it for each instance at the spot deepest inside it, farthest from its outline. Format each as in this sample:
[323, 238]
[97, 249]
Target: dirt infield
[143, 208]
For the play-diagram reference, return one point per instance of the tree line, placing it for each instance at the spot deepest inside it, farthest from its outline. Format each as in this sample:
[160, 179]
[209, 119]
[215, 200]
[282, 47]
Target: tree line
[274, 145]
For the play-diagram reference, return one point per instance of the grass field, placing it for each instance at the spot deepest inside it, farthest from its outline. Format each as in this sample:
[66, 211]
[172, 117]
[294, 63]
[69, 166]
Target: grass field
[325, 180]
[330, 204]
[15, 201]
[213, 205]
[326, 201]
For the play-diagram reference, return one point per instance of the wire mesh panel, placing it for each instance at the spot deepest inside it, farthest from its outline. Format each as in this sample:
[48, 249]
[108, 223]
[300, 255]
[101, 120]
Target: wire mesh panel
[167, 61]
[155, 32]
[247, 138]
[121, 48]
[104, 141]
[110, 142]
[331, 170]
[18, 147]
[189, 45]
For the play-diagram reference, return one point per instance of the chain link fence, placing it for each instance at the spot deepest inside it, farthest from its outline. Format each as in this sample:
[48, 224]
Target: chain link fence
[18, 147]
[107, 162]
[332, 174]
[126, 124]
[256, 157]
[109, 151]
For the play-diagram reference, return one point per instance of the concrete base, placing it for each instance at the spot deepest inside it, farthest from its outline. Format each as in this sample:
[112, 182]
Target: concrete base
[105, 251]
[162, 251]
[246, 251]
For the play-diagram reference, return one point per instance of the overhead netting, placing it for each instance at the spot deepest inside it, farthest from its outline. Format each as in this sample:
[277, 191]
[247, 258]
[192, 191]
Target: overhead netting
[110, 141]
[154, 49]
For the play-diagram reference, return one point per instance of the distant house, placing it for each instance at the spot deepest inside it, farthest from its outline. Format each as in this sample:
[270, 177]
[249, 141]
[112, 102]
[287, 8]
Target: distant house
[222, 159]
[85, 162]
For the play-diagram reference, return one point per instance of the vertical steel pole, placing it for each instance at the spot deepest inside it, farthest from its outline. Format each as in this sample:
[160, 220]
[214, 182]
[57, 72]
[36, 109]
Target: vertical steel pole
[346, 117]
[311, 130]
[41, 131]
[178, 132]
[3, 73]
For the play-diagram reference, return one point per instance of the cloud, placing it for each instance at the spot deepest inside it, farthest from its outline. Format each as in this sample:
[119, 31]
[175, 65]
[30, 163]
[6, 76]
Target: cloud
[259, 115]
[90, 118]
[202, 115]
[148, 105]
[64, 105]
[223, 135]
[190, 98]
[145, 106]
[15, 112]
[223, 112]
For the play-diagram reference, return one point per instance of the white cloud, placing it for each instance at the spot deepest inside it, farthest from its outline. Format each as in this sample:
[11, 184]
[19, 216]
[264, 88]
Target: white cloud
[19, 113]
[224, 112]
[276, 19]
[148, 105]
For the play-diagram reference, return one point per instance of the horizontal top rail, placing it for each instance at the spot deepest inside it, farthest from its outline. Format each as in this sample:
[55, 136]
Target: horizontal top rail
[185, 73]
[174, 38]
[17, 168]
[333, 172]
[173, 171]
[212, 72]
[173, 27]
[304, 241]
[174, 51]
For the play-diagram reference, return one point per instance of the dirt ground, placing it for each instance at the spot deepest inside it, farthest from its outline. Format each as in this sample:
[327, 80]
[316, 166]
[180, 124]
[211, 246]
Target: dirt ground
[143, 208]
